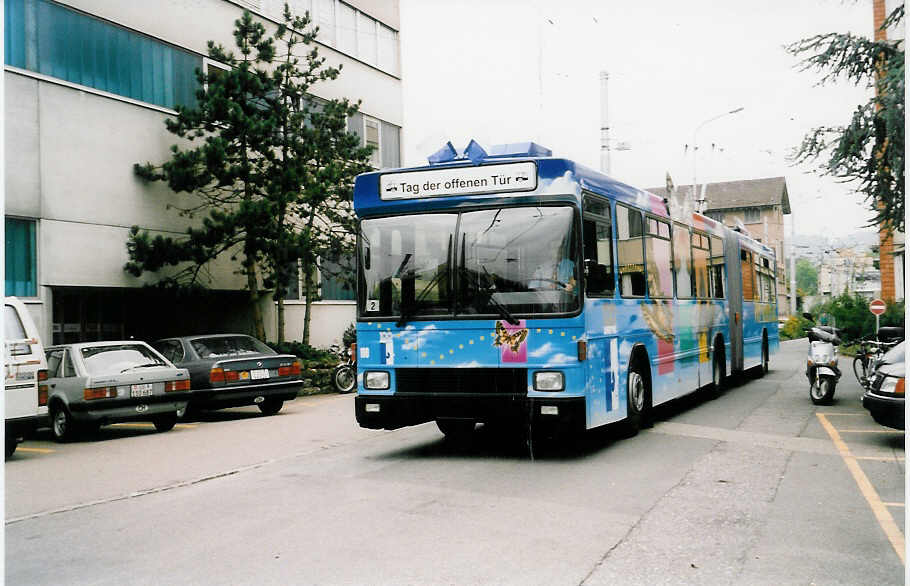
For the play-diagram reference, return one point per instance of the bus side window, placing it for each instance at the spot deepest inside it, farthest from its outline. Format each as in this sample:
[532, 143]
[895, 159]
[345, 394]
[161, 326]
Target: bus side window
[598, 250]
[748, 276]
[682, 261]
[657, 244]
[700, 251]
[717, 267]
[630, 252]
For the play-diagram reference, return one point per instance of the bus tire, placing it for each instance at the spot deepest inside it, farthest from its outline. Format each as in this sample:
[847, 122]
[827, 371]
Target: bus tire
[636, 399]
[764, 356]
[718, 371]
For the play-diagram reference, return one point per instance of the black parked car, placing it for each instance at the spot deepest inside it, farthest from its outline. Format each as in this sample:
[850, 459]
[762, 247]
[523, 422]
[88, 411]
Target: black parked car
[232, 370]
[885, 396]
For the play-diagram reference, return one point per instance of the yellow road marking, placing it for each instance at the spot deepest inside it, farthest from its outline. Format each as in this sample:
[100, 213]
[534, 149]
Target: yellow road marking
[885, 520]
[893, 504]
[36, 450]
[878, 458]
[871, 431]
[847, 414]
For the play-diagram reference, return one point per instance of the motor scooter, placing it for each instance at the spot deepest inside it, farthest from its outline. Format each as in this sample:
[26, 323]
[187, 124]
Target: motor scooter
[821, 364]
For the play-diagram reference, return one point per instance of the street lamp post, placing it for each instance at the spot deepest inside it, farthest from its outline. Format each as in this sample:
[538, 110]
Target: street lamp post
[699, 203]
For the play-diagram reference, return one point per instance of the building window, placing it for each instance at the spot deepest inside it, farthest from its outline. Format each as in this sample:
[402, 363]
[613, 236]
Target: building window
[334, 278]
[716, 216]
[753, 215]
[21, 258]
[371, 138]
[47, 38]
[366, 38]
[346, 33]
[325, 18]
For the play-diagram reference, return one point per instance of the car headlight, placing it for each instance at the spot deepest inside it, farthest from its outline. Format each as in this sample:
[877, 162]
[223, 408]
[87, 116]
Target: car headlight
[892, 385]
[549, 381]
[376, 380]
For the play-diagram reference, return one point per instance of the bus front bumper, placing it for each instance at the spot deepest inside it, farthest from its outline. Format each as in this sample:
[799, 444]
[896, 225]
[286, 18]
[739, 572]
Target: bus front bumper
[562, 414]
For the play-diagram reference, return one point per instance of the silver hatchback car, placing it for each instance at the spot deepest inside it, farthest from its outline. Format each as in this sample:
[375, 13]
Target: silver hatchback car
[96, 383]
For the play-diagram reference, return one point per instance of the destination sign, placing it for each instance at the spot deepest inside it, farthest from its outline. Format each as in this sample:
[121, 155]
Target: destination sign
[459, 181]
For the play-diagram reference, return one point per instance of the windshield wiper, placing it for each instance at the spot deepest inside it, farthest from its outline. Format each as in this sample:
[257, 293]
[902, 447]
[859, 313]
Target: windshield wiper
[143, 365]
[491, 292]
[406, 315]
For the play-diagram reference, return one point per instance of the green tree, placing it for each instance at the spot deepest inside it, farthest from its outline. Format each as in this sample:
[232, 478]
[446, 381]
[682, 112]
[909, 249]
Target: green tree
[269, 169]
[869, 149]
[806, 277]
[851, 314]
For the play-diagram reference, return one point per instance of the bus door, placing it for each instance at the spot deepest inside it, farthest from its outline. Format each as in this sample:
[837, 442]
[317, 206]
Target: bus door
[735, 297]
[600, 313]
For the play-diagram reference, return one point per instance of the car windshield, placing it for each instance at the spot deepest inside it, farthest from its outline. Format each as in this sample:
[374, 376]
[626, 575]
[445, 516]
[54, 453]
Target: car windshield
[894, 355]
[229, 346]
[100, 360]
[516, 259]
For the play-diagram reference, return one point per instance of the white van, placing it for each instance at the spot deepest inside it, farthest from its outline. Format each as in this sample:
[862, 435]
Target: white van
[25, 378]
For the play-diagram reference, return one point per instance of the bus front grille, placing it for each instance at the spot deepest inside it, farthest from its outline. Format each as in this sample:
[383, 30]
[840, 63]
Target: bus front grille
[475, 381]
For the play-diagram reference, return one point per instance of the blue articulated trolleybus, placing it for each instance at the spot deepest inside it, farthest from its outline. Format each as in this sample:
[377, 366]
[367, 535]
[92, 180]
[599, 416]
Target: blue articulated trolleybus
[513, 285]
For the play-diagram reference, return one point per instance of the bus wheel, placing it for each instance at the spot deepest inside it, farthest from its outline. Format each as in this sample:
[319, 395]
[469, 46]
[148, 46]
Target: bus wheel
[718, 377]
[456, 429]
[764, 358]
[636, 401]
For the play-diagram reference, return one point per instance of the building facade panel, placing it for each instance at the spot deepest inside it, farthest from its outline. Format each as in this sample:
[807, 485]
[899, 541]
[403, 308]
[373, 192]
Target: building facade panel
[22, 170]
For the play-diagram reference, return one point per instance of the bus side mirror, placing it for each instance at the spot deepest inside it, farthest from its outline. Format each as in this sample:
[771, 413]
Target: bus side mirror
[366, 258]
[808, 316]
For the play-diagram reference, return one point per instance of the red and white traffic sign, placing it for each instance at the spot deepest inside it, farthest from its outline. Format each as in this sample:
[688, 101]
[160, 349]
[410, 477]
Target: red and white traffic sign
[877, 306]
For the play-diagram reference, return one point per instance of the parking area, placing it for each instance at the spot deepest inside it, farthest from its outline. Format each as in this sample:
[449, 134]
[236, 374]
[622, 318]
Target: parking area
[871, 453]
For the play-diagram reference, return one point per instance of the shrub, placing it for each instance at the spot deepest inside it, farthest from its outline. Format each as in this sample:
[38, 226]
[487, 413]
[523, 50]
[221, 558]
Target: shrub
[794, 328]
[851, 314]
[349, 336]
[303, 351]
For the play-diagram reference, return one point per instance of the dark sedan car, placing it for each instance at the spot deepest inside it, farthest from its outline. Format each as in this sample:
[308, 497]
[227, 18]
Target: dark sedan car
[232, 370]
[885, 396]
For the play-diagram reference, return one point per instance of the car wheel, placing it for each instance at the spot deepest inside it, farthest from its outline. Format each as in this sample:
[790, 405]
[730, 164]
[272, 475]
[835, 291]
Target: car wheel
[11, 444]
[61, 423]
[271, 406]
[456, 429]
[166, 421]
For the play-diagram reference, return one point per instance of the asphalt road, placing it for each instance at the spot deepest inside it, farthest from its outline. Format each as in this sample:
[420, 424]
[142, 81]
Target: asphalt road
[757, 486]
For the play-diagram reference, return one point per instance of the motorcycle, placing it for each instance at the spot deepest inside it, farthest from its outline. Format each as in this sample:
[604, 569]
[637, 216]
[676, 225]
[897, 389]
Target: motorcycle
[821, 364]
[344, 377]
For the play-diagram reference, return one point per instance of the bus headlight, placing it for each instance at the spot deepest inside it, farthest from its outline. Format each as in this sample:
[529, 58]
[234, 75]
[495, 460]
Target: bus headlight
[376, 380]
[549, 380]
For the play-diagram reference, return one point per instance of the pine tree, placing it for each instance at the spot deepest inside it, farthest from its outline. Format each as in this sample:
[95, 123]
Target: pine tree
[269, 169]
[870, 148]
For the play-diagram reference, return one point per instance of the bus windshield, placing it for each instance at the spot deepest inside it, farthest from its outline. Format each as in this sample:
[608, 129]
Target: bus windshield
[506, 260]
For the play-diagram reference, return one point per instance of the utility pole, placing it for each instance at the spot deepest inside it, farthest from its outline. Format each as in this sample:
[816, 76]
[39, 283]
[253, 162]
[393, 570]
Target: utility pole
[792, 264]
[604, 124]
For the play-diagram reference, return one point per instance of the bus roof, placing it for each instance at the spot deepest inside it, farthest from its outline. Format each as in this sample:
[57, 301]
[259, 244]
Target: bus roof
[503, 177]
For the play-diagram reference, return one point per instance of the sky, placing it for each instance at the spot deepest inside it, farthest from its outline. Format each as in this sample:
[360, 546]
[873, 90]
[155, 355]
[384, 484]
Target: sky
[509, 71]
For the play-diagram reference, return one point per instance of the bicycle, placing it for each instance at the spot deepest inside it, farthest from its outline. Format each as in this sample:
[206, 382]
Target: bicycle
[867, 358]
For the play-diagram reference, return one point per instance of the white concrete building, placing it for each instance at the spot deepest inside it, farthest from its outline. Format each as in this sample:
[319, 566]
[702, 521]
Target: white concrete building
[88, 85]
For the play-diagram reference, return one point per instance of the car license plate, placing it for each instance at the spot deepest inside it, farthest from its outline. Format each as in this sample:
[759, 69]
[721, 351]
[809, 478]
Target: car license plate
[143, 390]
[259, 373]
